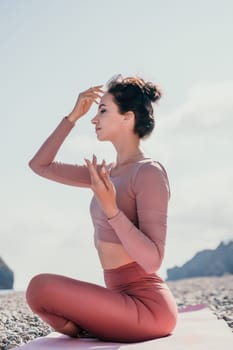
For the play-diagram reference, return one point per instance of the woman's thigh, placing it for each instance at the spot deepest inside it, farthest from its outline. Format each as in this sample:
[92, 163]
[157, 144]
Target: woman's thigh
[103, 312]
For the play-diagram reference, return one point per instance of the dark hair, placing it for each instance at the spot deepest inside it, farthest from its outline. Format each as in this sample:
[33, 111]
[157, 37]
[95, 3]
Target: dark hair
[134, 94]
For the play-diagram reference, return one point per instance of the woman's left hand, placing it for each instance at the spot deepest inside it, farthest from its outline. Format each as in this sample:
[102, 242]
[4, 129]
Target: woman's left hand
[102, 187]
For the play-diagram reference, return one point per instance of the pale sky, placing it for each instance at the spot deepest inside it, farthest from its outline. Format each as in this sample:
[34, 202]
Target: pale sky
[52, 50]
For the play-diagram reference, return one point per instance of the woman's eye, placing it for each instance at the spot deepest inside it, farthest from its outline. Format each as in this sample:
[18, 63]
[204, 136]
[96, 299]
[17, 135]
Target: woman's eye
[103, 110]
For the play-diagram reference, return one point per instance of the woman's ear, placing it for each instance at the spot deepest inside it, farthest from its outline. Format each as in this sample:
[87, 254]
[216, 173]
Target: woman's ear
[129, 115]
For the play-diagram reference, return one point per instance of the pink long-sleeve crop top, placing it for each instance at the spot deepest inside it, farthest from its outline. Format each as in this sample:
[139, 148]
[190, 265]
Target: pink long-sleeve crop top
[142, 191]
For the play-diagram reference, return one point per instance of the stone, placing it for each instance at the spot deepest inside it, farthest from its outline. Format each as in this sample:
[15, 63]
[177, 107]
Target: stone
[6, 276]
[206, 263]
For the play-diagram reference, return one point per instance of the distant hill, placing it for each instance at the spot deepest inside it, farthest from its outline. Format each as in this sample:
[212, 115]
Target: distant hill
[6, 276]
[209, 262]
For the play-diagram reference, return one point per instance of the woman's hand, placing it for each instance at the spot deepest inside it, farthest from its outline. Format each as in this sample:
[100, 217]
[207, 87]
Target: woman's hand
[84, 102]
[102, 187]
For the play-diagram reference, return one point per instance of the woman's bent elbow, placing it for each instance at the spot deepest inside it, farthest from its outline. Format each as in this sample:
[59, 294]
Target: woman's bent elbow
[34, 166]
[151, 268]
[31, 164]
[153, 264]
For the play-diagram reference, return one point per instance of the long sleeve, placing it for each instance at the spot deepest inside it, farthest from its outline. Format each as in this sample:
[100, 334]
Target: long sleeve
[146, 243]
[44, 165]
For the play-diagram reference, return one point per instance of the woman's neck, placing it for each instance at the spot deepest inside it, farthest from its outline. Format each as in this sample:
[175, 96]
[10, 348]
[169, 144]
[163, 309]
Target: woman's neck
[128, 151]
[129, 158]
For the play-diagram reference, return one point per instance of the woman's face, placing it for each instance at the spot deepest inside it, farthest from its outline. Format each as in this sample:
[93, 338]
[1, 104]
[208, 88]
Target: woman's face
[109, 123]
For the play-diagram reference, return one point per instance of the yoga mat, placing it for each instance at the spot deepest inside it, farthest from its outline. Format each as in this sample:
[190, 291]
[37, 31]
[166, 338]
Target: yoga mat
[197, 329]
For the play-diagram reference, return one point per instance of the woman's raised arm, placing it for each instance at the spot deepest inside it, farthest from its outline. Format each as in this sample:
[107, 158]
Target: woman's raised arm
[43, 162]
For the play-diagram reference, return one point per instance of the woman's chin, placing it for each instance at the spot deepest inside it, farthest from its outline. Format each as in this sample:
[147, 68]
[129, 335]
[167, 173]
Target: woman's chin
[101, 138]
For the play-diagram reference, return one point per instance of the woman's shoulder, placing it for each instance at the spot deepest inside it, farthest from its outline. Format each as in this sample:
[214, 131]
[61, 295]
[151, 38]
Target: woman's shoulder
[147, 166]
[142, 168]
[150, 172]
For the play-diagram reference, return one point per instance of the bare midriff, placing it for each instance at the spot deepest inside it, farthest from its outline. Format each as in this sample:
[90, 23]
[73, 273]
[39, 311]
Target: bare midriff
[112, 255]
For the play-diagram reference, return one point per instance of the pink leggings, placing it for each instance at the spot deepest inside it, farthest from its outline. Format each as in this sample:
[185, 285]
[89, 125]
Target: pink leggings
[135, 306]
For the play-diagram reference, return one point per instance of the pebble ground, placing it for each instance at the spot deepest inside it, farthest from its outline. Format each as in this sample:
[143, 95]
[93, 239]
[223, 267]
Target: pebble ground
[18, 324]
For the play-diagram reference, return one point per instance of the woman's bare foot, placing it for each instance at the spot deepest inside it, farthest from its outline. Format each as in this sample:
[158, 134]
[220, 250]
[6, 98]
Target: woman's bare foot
[70, 329]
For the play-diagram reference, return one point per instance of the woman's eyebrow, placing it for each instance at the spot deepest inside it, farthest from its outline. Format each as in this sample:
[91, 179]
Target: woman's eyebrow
[102, 104]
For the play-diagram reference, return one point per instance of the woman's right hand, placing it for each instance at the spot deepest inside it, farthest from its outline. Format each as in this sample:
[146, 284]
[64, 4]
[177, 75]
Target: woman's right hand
[84, 102]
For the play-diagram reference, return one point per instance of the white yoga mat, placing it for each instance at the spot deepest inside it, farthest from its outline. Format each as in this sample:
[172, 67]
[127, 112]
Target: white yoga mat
[197, 329]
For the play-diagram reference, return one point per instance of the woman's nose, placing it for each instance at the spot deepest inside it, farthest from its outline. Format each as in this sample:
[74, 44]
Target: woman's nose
[94, 120]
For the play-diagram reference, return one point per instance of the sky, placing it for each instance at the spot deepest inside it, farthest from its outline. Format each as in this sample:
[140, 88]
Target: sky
[51, 51]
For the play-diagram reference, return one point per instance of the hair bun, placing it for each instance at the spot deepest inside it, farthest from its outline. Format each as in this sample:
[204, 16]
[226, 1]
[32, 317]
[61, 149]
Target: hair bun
[152, 91]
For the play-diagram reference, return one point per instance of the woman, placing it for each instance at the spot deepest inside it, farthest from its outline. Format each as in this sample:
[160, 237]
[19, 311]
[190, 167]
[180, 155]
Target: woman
[129, 213]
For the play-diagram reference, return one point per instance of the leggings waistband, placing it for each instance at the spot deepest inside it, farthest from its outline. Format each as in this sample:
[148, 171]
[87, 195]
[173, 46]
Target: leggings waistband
[127, 274]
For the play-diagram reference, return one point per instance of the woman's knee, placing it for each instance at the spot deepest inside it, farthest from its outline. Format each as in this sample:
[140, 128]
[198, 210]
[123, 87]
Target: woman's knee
[37, 289]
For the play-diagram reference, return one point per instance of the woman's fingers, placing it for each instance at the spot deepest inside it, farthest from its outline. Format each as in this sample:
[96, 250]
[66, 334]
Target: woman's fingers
[94, 91]
[99, 173]
[96, 87]
[102, 164]
[92, 94]
[102, 168]
[95, 176]
[94, 160]
[102, 186]
[85, 100]
[105, 176]
[93, 172]
[91, 98]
